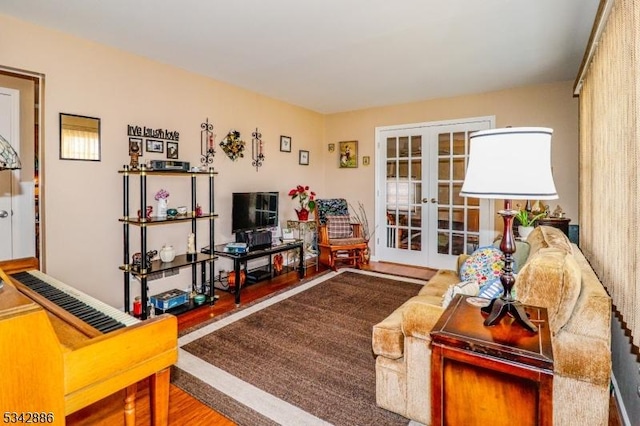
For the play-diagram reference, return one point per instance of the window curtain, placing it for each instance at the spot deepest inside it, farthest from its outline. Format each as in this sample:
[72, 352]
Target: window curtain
[609, 92]
[80, 144]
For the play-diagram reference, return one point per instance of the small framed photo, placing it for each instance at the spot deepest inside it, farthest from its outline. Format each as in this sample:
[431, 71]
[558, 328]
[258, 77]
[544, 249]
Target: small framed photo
[154, 145]
[366, 160]
[285, 143]
[332, 147]
[348, 152]
[172, 150]
[303, 158]
[135, 146]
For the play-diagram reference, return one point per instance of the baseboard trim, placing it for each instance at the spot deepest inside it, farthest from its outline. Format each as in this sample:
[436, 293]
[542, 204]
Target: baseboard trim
[622, 411]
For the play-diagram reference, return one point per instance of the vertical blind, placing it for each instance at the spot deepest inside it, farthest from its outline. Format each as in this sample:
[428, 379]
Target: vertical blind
[609, 91]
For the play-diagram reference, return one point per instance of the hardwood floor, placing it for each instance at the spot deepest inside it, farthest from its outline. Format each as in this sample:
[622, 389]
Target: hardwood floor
[186, 410]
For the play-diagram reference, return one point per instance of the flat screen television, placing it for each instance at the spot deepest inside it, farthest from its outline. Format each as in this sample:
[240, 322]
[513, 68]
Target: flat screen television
[253, 210]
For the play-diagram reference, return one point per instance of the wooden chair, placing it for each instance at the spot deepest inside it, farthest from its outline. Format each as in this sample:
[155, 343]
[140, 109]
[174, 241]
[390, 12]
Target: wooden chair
[339, 240]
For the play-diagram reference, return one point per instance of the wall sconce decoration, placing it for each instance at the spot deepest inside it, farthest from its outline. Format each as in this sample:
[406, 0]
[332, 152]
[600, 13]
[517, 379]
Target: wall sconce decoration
[257, 149]
[207, 143]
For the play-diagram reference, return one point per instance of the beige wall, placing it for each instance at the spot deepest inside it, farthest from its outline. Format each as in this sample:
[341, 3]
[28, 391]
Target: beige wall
[549, 105]
[83, 199]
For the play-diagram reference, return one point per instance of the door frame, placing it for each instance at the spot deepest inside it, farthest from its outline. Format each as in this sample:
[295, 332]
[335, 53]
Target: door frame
[486, 235]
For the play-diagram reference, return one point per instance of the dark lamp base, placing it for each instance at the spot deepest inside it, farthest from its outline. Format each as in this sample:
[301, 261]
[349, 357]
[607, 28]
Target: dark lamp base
[500, 307]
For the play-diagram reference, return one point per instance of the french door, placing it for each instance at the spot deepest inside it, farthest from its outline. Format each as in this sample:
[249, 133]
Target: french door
[422, 220]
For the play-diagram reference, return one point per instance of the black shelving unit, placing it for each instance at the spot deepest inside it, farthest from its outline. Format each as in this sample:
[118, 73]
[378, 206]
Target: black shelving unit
[182, 260]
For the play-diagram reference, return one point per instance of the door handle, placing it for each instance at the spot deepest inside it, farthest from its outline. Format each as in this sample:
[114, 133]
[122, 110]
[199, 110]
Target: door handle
[4, 213]
[426, 200]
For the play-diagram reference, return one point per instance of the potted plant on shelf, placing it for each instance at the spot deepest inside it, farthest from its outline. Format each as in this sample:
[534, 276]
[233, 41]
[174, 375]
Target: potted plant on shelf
[306, 199]
[527, 222]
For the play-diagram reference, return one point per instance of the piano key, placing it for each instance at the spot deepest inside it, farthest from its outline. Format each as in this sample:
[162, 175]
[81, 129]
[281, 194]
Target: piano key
[99, 315]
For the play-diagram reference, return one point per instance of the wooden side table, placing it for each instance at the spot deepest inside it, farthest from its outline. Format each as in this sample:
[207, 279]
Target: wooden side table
[497, 375]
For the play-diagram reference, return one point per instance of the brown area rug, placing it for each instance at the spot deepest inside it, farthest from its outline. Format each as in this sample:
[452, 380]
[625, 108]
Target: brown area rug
[312, 350]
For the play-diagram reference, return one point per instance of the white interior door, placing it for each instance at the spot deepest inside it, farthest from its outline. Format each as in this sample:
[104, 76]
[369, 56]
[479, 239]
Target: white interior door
[419, 172]
[17, 211]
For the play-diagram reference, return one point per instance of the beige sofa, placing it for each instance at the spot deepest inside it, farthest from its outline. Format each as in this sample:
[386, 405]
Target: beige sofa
[556, 276]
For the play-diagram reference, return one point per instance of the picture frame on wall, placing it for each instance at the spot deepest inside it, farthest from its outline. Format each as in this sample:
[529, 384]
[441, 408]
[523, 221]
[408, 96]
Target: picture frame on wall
[155, 145]
[366, 160]
[172, 150]
[135, 146]
[348, 154]
[303, 157]
[285, 143]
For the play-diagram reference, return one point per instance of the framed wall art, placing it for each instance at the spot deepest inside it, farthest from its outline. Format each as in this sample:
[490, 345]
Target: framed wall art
[154, 145]
[366, 160]
[348, 152]
[285, 143]
[172, 150]
[135, 145]
[303, 158]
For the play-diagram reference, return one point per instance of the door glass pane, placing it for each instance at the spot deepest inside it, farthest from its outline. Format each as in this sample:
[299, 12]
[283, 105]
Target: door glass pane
[404, 193]
[392, 150]
[459, 143]
[458, 226]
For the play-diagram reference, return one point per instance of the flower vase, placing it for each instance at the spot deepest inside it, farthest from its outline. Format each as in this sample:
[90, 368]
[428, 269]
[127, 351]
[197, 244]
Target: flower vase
[303, 214]
[162, 208]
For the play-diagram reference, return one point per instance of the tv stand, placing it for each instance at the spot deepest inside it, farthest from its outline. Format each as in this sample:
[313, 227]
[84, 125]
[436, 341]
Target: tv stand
[240, 261]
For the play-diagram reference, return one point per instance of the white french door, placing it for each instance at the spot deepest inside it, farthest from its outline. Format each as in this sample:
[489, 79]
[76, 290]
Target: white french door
[422, 220]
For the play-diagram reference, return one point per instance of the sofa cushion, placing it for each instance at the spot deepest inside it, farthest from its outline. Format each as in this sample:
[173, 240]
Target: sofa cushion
[387, 336]
[519, 256]
[551, 278]
[484, 265]
[469, 288]
[339, 226]
[548, 236]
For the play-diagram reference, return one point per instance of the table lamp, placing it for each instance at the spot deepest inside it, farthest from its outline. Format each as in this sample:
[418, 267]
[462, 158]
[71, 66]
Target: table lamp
[8, 157]
[513, 163]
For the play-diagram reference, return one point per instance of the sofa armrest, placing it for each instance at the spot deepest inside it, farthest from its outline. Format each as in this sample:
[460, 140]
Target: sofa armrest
[419, 317]
[583, 358]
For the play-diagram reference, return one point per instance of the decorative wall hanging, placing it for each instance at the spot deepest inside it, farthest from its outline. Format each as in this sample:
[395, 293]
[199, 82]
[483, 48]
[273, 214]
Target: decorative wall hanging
[154, 145]
[303, 158]
[285, 143]
[172, 150]
[257, 147]
[366, 160]
[135, 151]
[332, 147]
[232, 145]
[348, 152]
[207, 143]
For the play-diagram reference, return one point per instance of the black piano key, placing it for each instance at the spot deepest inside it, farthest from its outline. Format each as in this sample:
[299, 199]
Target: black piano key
[75, 307]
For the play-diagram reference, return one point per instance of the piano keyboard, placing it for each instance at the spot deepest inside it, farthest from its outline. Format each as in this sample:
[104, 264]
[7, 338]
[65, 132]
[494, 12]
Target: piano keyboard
[99, 315]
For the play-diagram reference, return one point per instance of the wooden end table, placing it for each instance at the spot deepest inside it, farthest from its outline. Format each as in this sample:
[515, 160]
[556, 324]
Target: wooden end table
[496, 375]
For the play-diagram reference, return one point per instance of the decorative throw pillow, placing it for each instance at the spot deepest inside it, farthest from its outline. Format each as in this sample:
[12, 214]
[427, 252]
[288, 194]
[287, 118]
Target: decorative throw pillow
[469, 288]
[484, 265]
[339, 226]
[491, 289]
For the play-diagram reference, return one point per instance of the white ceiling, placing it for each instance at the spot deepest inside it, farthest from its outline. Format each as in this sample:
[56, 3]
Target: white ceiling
[339, 55]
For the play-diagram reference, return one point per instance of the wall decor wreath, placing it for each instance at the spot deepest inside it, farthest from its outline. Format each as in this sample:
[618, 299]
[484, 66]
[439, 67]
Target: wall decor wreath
[232, 145]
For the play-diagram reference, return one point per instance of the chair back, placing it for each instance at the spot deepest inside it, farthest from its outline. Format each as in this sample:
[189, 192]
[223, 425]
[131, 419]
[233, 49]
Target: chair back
[330, 207]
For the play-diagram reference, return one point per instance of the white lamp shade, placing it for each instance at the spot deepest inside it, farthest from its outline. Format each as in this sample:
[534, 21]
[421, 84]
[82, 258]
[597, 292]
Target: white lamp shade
[511, 163]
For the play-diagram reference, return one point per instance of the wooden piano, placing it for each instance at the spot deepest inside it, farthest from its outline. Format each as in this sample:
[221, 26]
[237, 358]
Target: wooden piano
[54, 363]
